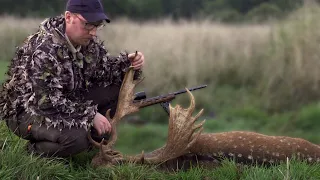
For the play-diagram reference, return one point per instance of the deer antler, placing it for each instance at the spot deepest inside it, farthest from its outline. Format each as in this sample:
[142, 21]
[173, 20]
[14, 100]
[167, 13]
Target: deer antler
[126, 105]
[181, 135]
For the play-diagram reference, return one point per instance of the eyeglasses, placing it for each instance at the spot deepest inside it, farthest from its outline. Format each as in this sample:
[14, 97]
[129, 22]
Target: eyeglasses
[91, 25]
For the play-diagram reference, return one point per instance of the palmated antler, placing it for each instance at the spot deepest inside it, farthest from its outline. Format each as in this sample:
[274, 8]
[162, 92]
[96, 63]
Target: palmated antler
[182, 135]
[126, 105]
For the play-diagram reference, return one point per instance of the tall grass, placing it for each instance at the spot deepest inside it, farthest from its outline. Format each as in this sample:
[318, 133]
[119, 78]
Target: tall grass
[278, 62]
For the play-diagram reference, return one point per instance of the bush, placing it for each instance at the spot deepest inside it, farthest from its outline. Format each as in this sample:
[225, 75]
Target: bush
[263, 12]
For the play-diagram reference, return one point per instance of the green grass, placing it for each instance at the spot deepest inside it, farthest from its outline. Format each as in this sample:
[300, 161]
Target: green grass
[15, 163]
[3, 69]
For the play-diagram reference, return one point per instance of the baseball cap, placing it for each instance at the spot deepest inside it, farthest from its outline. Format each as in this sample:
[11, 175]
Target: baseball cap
[91, 10]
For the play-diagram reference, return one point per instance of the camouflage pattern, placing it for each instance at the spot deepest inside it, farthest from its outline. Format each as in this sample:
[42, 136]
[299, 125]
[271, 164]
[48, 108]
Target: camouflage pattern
[48, 80]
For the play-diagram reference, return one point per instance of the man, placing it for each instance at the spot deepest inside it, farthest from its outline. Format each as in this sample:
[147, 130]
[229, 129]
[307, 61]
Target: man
[62, 81]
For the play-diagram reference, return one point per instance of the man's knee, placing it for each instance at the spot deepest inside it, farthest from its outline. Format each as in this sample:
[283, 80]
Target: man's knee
[74, 140]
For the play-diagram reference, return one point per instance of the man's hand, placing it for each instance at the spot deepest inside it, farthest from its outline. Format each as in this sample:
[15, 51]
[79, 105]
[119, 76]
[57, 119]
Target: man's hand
[137, 60]
[101, 124]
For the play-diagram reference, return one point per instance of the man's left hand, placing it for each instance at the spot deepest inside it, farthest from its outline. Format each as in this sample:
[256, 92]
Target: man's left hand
[137, 60]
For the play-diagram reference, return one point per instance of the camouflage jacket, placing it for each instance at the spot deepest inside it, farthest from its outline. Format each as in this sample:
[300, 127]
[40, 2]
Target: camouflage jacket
[47, 79]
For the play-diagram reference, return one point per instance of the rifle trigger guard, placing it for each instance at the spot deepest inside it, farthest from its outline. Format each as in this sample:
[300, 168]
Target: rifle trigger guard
[165, 106]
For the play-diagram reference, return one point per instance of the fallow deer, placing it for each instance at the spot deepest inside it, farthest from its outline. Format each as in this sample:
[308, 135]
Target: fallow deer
[187, 143]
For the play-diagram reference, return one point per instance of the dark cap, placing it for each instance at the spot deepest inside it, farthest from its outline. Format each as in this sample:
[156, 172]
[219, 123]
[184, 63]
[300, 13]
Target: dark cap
[91, 10]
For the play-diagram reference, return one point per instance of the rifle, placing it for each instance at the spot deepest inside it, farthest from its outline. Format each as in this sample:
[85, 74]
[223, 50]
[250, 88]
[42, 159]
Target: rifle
[163, 100]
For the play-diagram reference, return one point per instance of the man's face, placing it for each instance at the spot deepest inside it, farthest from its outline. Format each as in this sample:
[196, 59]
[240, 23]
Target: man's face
[78, 30]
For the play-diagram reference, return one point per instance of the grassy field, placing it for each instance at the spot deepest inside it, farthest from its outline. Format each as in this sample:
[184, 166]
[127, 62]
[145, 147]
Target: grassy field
[262, 78]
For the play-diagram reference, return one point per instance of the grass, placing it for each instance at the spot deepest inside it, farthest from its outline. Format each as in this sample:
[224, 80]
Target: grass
[15, 163]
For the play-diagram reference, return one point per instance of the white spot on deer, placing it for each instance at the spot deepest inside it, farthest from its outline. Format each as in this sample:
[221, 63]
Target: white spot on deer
[277, 154]
[289, 144]
[264, 159]
[235, 146]
[309, 159]
[231, 154]
[271, 161]
[250, 157]
[240, 155]
[215, 154]
[318, 159]
[250, 142]
[306, 149]
[240, 137]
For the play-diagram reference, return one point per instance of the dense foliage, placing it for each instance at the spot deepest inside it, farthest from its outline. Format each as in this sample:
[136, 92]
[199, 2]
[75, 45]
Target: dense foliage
[224, 10]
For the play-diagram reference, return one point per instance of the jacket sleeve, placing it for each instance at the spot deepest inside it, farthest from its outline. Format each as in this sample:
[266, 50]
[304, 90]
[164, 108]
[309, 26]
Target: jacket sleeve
[116, 66]
[50, 99]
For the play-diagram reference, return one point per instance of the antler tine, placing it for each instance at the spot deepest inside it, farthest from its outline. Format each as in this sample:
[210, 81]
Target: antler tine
[107, 158]
[93, 141]
[192, 102]
[195, 137]
[108, 114]
[199, 125]
[198, 115]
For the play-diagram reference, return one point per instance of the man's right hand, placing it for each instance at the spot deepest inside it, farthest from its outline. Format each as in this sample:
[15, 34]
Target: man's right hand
[101, 124]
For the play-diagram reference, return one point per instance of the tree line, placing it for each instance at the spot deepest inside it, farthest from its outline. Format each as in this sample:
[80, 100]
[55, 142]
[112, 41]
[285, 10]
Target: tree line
[223, 10]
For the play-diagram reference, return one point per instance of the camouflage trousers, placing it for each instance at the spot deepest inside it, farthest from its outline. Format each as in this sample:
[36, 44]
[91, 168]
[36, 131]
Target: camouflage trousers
[51, 142]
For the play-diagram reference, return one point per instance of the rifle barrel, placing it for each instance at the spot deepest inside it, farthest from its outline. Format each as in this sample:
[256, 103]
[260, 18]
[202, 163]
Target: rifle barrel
[190, 89]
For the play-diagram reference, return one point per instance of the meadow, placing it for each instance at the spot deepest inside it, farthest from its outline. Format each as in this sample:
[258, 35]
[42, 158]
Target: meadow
[260, 77]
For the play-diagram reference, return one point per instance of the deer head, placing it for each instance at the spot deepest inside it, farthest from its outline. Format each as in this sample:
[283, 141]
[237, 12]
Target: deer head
[182, 129]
